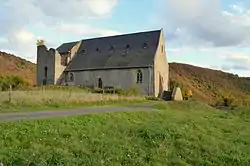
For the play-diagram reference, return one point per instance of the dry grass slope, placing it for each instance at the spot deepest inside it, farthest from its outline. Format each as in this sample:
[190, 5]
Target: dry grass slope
[12, 65]
[208, 85]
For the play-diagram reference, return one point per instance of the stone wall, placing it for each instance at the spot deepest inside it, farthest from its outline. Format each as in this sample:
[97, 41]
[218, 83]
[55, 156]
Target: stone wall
[121, 78]
[51, 59]
[161, 69]
[45, 61]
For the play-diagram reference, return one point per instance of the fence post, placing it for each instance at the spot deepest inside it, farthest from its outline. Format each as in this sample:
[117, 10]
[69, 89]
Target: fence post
[10, 89]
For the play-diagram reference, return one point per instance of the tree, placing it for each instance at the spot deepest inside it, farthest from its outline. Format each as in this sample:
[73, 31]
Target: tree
[40, 42]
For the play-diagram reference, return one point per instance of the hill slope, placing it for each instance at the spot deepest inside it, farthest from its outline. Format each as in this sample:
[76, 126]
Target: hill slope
[12, 65]
[207, 85]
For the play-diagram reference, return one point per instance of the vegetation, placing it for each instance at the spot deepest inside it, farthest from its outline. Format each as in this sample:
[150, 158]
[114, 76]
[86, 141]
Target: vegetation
[14, 81]
[181, 133]
[211, 86]
[40, 42]
[58, 97]
[11, 65]
[206, 85]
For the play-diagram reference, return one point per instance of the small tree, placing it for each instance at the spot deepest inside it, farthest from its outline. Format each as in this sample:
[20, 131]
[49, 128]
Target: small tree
[40, 42]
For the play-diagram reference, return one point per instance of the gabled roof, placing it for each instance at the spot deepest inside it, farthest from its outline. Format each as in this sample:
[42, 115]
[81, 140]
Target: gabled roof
[65, 47]
[128, 50]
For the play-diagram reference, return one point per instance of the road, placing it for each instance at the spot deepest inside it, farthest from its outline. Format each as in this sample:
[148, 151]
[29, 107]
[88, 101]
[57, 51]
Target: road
[7, 117]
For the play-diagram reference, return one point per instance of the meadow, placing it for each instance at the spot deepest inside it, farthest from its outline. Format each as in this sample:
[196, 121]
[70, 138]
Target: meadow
[179, 133]
[45, 98]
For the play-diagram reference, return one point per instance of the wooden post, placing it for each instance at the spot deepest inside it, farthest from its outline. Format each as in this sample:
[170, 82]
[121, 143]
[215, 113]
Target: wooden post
[10, 89]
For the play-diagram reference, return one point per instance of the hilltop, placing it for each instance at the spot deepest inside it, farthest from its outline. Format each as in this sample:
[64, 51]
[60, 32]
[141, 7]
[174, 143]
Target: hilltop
[207, 85]
[13, 65]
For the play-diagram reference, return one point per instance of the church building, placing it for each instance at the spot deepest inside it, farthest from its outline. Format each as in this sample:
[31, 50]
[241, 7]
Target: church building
[124, 61]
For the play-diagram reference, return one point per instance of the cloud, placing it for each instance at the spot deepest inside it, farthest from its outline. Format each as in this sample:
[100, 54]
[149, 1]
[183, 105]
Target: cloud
[204, 21]
[235, 68]
[27, 20]
[84, 30]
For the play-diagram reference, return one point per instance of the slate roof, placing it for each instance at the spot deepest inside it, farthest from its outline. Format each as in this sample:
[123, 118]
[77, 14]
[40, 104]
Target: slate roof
[65, 47]
[121, 51]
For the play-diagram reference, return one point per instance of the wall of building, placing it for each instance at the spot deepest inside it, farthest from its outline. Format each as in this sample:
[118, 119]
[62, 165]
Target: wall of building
[59, 68]
[122, 78]
[161, 68]
[45, 59]
[52, 60]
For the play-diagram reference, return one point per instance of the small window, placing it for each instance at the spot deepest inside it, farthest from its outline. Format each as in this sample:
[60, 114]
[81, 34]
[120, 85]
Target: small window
[139, 77]
[71, 77]
[127, 46]
[83, 51]
[97, 49]
[145, 45]
[162, 48]
[111, 48]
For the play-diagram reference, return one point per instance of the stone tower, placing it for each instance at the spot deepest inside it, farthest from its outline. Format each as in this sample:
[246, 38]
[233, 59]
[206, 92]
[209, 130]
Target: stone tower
[51, 65]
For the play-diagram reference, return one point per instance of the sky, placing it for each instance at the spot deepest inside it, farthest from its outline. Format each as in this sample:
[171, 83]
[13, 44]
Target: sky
[208, 33]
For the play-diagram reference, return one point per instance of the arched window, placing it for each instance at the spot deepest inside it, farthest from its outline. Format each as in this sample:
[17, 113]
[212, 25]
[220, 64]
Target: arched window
[139, 76]
[99, 82]
[71, 77]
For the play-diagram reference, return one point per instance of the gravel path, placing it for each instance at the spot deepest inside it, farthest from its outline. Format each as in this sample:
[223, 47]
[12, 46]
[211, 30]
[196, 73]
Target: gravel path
[6, 117]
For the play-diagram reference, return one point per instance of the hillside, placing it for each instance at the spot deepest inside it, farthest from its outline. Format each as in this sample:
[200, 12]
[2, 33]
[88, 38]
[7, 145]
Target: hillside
[207, 84]
[12, 65]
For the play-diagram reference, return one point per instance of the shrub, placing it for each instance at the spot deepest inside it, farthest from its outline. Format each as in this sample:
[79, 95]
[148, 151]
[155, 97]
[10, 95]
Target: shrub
[15, 81]
[153, 98]
[129, 92]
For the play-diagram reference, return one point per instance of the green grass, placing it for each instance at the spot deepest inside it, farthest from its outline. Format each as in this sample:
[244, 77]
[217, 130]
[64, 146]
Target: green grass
[56, 99]
[180, 133]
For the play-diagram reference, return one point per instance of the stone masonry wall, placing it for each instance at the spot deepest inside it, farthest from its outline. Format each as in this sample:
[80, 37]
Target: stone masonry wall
[161, 69]
[122, 78]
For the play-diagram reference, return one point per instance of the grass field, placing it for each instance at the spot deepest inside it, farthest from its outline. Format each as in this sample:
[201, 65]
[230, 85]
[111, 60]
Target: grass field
[180, 133]
[46, 99]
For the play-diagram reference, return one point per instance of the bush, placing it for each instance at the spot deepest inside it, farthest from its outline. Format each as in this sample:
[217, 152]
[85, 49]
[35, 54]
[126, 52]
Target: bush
[119, 91]
[15, 81]
[128, 92]
[153, 98]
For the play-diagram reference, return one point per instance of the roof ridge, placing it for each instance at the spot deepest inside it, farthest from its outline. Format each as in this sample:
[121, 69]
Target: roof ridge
[124, 34]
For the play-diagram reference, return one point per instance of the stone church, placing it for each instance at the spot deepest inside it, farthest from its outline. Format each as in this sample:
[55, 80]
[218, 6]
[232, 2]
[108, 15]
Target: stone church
[129, 60]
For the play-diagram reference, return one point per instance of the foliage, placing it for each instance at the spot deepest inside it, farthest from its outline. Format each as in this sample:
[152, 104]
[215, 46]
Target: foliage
[173, 84]
[210, 85]
[125, 92]
[40, 42]
[14, 81]
[182, 133]
[153, 98]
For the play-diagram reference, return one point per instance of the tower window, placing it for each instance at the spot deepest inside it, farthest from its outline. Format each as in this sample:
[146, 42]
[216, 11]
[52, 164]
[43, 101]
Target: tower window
[97, 49]
[45, 72]
[127, 46]
[162, 48]
[139, 77]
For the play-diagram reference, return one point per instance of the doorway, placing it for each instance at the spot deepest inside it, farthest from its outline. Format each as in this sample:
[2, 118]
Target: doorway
[99, 82]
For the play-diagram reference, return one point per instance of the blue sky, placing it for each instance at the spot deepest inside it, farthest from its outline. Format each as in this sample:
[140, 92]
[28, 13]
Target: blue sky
[213, 34]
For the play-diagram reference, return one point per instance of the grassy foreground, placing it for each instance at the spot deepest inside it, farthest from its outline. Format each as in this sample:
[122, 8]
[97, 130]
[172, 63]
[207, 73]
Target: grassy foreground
[181, 133]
